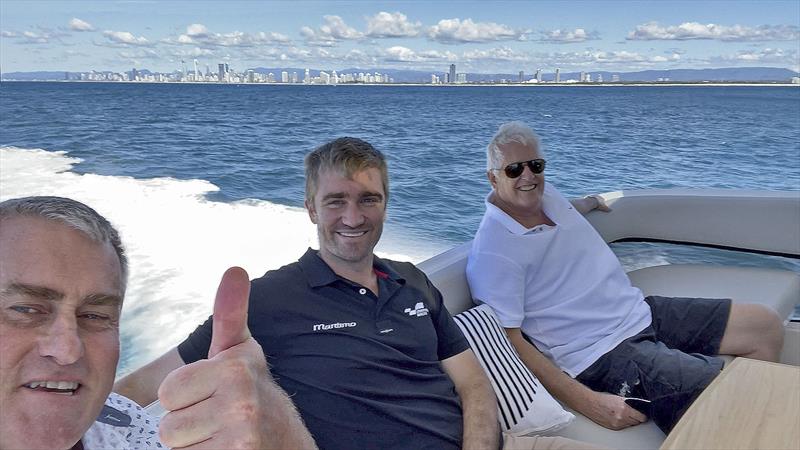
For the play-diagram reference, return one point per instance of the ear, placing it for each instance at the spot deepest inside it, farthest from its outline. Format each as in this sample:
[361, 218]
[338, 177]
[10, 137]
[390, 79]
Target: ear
[492, 179]
[312, 212]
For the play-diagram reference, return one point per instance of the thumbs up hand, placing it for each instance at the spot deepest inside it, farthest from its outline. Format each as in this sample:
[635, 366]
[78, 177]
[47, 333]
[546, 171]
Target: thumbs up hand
[229, 400]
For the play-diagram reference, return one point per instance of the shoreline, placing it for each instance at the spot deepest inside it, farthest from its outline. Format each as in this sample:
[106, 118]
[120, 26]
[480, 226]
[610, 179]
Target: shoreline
[459, 85]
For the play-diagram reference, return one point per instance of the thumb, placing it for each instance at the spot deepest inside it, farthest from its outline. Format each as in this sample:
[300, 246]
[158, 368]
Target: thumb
[230, 311]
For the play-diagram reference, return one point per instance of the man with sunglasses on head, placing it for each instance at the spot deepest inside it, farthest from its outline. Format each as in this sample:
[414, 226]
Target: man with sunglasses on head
[572, 314]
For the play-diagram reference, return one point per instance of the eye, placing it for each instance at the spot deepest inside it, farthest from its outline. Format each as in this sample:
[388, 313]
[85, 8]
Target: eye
[25, 309]
[92, 316]
[93, 321]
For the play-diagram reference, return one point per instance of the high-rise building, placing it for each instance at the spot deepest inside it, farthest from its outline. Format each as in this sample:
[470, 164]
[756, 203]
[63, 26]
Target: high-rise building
[539, 75]
[521, 76]
[221, 74]
[583, 77]
[615, 78]
[461, 78]
[251, 76]
[599, 77]
[558, 75]
[452, 78]
[307, 78]
[284, 77]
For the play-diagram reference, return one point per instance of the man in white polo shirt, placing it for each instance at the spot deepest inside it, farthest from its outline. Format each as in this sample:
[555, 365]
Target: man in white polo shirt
[572, 314]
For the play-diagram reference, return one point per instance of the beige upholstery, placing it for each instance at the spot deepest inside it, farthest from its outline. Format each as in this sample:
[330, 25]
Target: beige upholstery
[777, 289]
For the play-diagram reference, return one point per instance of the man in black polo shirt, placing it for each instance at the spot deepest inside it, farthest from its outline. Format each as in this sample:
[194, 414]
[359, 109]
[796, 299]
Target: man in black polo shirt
[364, 346]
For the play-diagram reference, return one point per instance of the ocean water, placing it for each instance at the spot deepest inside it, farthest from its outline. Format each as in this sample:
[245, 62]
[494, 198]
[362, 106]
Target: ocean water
[201, 177]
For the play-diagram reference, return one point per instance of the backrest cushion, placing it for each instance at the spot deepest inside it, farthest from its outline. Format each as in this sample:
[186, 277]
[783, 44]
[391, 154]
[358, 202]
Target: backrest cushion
[525, 407]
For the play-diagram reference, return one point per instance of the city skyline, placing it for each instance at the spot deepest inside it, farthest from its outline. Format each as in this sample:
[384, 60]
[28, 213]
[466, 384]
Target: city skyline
[502, 37]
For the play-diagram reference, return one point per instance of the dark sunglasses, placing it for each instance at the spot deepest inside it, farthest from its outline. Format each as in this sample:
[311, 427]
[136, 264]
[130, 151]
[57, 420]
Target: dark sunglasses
[515, 170]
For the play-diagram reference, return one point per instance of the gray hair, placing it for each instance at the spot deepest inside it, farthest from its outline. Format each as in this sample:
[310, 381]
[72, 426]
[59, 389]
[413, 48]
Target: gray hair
[73, 214]
[515, 131]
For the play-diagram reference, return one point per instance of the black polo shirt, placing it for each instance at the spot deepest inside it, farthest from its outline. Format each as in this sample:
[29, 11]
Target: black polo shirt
[363, 371]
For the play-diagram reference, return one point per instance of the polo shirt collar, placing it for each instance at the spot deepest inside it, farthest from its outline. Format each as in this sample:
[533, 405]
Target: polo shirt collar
[502, 217]
[320, 273]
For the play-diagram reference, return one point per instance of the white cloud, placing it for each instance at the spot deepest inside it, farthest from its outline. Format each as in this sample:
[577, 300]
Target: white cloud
[79, 25]
[333, 31]
[146, 53]
[125, 38]
[496, 54]
[197, 29]
[566, 36]
[694, 30]
[391, 25]
[42, 35]
[35, 38]
[766, 55]
[198, 34]
[404, 54]
[456, 31]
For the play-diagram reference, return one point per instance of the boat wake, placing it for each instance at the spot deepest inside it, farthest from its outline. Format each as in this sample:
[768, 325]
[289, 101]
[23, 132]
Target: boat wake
[178, 242]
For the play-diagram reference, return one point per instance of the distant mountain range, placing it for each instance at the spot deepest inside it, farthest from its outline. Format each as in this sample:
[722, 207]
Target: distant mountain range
[738, 74]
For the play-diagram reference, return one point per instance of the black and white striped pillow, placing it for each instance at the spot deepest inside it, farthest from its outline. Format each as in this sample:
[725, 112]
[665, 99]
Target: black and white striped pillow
[524, 405]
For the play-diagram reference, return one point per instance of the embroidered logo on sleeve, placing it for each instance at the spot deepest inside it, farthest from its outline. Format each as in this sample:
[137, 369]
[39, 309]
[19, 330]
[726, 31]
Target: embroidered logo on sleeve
[419, 310]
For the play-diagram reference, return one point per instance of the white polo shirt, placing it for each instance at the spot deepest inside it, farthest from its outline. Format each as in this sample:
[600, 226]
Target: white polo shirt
[562, 285]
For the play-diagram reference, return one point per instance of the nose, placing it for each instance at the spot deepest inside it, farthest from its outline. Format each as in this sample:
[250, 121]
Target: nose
[352, 216]
[62, 341]
[527, 172]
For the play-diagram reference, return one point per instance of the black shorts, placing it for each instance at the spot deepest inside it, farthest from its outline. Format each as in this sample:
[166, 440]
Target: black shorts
[670, 362]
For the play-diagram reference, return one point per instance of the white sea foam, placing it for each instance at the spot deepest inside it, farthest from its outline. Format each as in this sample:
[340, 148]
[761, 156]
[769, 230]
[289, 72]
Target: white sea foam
[179, 243]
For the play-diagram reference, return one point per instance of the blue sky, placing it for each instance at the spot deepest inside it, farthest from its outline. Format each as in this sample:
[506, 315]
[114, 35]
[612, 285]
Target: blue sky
[478, 36]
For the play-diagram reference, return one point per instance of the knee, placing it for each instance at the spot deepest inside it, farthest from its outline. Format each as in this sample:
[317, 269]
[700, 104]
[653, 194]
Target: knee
[769, 329]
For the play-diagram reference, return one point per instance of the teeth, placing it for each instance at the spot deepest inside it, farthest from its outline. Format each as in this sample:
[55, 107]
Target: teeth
[352, 234]
[528, 188]
[60, 385]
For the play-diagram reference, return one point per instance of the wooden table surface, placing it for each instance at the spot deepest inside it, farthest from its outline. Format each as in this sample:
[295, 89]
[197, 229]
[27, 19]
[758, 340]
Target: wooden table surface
[750, 405]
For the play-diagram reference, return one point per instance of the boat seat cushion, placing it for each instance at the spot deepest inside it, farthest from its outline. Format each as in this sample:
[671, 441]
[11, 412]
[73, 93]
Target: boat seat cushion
[778, 289]
[524, 406]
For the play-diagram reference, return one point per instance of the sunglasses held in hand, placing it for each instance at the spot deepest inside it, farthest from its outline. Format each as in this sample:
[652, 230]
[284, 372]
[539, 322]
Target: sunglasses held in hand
[515, 170]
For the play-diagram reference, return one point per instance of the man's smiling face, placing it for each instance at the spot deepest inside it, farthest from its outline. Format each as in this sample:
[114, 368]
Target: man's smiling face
[60, 302]
[521, 196]
[349, 214]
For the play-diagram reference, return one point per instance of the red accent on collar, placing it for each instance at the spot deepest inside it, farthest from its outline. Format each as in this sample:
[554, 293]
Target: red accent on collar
[380, 274]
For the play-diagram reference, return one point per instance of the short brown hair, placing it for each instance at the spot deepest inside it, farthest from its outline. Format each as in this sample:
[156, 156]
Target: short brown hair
[346, 155]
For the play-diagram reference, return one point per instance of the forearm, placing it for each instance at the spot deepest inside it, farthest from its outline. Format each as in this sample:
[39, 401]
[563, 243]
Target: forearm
[478, 403]
[606, 409]
[142, 385]
[559, 384]
[481, 426]
[585, 204]
[288, 431]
